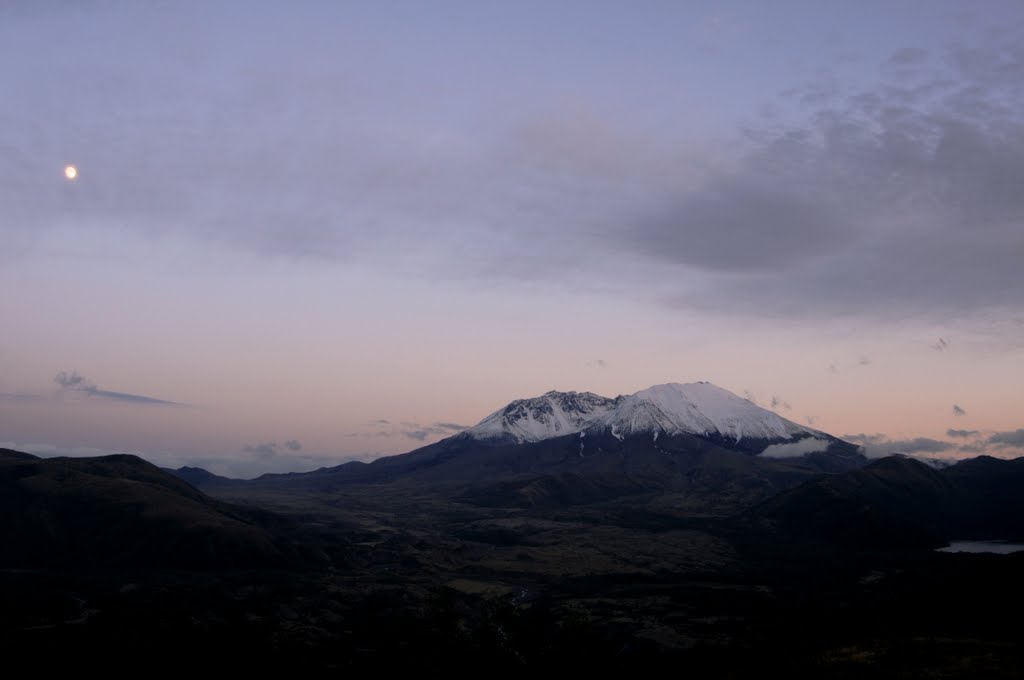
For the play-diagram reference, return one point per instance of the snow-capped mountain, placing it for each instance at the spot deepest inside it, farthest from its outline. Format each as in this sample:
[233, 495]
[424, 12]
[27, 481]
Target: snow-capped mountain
[551, 415]
[694, 408]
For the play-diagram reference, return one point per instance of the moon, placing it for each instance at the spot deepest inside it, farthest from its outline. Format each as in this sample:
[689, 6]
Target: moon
[70, 171]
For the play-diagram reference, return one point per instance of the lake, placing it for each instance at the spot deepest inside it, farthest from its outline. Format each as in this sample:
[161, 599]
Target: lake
[998, 547]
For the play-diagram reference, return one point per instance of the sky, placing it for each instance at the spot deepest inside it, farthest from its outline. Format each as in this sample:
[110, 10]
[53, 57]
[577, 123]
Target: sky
[304, 233]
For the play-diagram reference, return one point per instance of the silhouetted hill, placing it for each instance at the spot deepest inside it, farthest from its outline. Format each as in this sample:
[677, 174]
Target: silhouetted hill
[121, 511]
[573, 470]
[200, 478]
[900, 502]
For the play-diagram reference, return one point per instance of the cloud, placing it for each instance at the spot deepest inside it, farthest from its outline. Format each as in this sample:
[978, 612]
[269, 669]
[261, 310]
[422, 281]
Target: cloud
[940, 345]
[962, 434]
[265, 450]
[778, 225]
[1013, 438]
[410, 430]
[73, 382]
[878, 445]
[795, 449]
[452, 427]
[779, 402]
[420, 433]
[926, 166]
[899, 198]
[598, 363]
[958, 411]
[293, 445]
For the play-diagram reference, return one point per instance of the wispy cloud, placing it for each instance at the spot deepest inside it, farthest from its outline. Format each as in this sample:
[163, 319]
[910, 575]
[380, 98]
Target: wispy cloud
[71, 381]
[1010, 439]
[958, 410]
[272, 449]
[878, 445]
[266, 450]
[795, 449]
[962, 434]
[408, 429]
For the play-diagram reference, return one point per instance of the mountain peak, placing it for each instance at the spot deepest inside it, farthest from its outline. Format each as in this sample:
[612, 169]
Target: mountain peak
[552, 414]
[694, 408]
[699, 408]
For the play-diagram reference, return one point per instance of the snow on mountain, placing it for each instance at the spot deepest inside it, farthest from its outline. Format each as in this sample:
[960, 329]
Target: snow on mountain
[697, 408]
[551, 415]
[694, 408]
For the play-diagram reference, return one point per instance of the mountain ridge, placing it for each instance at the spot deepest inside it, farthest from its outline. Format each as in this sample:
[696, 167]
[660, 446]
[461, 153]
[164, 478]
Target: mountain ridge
[698, 408]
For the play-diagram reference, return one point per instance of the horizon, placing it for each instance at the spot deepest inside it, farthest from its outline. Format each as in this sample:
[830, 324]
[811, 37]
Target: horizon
[873, 447]
[262, 239]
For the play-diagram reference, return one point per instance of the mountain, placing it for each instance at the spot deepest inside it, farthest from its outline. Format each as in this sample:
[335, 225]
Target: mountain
[550, 415]
[120, 511]
[901, 502]
[200, 478]
[696, 441]
[699, 408]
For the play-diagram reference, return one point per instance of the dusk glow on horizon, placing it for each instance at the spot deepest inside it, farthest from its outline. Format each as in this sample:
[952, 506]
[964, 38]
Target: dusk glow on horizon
[388, 221]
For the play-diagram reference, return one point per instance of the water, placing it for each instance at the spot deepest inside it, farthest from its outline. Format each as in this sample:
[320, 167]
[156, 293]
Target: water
[997, 547]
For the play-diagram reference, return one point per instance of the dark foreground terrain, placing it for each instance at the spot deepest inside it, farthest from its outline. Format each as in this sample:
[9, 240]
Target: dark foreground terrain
[114, 564]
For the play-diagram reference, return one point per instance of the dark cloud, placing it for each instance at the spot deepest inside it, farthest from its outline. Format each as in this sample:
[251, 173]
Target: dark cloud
[940, 345]
[418, 435]
[1013, 438]
[920, 445]
[958, 410]
[901, 199]
[778, 402]
[293, 445]
[598, 363]
[743, 224]
[962, 434]
[73, 382]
